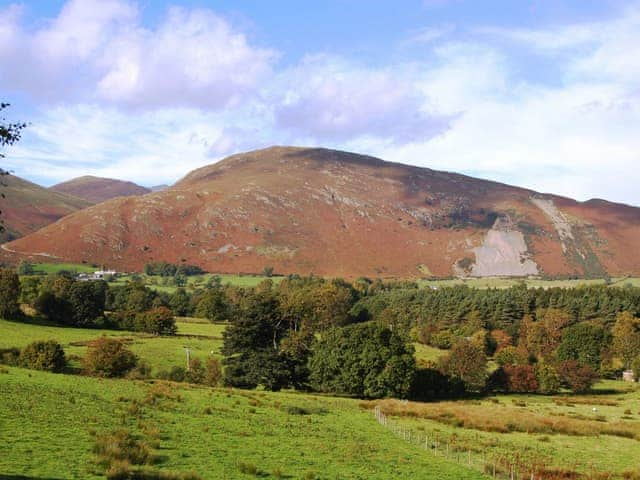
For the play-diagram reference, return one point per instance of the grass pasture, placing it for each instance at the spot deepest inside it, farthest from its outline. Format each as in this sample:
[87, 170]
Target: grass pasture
[48, 423]
[162, 353]
[596, 436]
[251, 280]
[52, 268]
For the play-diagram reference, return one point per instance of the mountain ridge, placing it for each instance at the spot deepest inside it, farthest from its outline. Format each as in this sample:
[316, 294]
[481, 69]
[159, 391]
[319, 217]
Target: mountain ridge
[99, 189]
[327, 212]
[27, 207]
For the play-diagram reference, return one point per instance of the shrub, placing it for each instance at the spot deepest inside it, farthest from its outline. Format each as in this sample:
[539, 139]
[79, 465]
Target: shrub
[158, 321]
[109, 358]
[213, 373]
[577, 377]
[176, 374]
[9, 293]
[120, 448]
[44, 355]
[142, 371]
[196, 372]
[10, 356]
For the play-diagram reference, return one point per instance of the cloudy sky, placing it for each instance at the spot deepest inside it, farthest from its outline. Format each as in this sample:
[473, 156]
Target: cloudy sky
[544, 94]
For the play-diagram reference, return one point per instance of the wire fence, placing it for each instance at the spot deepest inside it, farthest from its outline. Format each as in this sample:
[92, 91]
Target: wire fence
[511, 467]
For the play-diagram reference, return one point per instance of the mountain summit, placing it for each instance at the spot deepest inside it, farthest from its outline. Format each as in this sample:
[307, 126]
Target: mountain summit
[327, 212]
[98, 189]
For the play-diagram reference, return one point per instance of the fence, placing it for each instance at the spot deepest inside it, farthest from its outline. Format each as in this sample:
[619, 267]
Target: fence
[499, 467]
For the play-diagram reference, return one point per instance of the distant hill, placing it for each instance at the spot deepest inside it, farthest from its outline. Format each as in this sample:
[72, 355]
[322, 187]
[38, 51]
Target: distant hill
[27, 207]
[98, 189]
[159, 188]
[313, 210]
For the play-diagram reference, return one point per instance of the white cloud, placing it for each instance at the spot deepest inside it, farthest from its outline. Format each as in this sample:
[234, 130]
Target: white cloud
[98, 51]
[145, 147]
[327, 98]
[150, 104]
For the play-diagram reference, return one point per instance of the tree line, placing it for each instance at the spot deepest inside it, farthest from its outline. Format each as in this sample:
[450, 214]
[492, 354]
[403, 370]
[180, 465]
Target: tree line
[356, 338]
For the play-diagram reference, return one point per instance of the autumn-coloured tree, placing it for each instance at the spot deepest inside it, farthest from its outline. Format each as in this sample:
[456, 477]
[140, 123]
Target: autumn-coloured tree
[626, 337]
[467, 362]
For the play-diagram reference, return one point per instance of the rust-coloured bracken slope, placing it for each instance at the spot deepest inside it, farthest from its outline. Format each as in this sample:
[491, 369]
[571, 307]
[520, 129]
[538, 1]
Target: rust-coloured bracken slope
[303, 210]
[27, 207]
[97, 189]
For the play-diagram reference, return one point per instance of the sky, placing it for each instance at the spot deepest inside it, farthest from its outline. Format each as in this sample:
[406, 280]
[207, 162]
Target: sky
[539, 94]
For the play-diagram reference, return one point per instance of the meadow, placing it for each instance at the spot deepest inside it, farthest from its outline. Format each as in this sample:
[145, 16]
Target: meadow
[213, 430]
[590, 436]
[49, 422]
[161, 352]
[251, 280]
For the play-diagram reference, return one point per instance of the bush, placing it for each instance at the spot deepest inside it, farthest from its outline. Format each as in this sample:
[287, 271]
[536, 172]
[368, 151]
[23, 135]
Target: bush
[196, 372]
[158, 321]
[10, 356]
[213, 373]
[120, 449]
[44, 355]
[176, 374]
[577, 377]
[142, 371]
[109, 358]
[9, 294]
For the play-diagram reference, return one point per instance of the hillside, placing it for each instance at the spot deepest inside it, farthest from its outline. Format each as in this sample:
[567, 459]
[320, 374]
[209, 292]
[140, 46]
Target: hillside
[326, 212]
[97, 189]
[28, 207]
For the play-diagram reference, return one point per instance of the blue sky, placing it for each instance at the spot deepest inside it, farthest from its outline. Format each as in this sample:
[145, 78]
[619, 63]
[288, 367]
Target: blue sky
[542, 94]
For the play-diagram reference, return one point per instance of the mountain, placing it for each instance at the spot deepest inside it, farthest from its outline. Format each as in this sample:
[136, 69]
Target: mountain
[98, 189]
[27, 207]
[159, 188]
[313, 210]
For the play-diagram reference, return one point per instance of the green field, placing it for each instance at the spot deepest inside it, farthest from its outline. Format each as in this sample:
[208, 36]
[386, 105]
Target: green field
[47, 421]
[247, 280]
[593, 434]
[338, 438]
[162, 353]
[47, 268]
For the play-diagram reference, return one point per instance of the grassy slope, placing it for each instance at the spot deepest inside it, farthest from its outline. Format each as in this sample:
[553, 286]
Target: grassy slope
[45, 421]
[161, 352]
